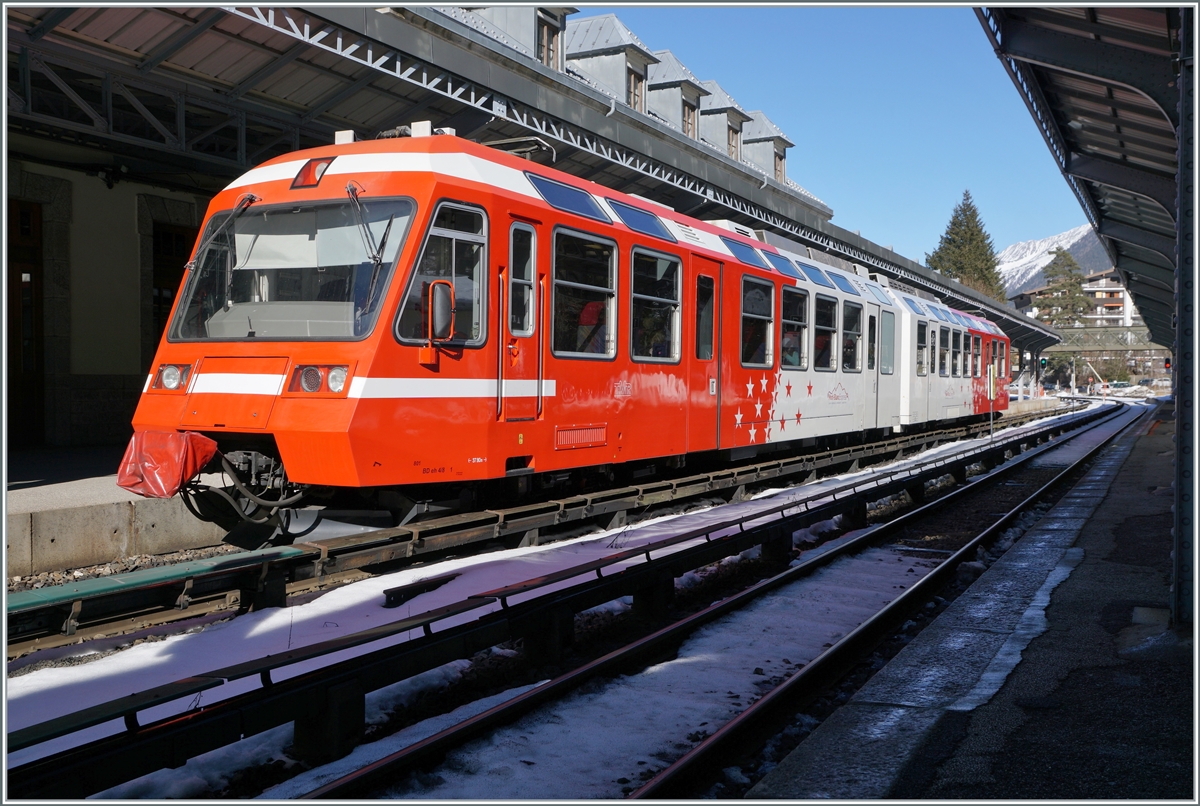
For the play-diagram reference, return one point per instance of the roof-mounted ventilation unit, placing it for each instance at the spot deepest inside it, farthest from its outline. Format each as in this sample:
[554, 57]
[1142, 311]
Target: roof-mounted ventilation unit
[725, 223]
[418, 128]
[344, 136]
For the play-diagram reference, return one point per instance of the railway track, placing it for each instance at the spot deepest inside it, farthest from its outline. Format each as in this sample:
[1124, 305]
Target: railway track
[888, 571]
[538, 610]
[66, 614]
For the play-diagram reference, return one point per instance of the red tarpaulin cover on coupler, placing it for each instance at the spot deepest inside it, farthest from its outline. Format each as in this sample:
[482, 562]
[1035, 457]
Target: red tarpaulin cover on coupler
[157, 463]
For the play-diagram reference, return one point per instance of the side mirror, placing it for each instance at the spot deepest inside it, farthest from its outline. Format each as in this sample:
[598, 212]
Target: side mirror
[441, 310]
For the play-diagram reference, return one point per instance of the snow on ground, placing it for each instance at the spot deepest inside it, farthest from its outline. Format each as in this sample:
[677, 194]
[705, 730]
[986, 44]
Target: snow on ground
[50, 692]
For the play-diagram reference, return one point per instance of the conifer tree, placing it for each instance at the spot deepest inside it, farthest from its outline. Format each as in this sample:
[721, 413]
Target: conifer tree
[965, 252]
[1065, 303]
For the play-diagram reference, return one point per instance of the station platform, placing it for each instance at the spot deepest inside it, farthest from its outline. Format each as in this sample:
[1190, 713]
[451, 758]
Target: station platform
[1055, 676]
[65, 510]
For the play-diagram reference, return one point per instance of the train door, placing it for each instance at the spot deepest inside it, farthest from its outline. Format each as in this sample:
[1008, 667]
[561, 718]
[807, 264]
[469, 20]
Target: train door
[890, 398]
[871, 369]
[704, 382]
[520, 326]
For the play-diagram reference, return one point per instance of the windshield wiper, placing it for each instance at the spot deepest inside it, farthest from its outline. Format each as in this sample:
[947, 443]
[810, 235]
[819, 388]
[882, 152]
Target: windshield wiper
[374, 253]
[244, 201]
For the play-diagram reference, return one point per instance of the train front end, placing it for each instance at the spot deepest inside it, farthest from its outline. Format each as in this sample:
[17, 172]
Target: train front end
[280, 311]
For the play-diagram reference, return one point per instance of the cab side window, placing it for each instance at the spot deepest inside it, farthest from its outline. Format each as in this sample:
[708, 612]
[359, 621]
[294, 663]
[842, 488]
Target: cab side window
[455, 250]
[944, 351]
[956, 353]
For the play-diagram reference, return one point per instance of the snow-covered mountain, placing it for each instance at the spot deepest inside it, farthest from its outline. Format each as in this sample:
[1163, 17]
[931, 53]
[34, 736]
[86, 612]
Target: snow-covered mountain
[1021, 264]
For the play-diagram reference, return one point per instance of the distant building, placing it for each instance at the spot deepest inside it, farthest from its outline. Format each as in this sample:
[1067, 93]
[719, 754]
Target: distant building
[1111, 303]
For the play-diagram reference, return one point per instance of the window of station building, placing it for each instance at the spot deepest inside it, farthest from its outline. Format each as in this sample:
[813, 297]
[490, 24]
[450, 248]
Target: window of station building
[758, 304]
[733, 142]
[780, 167]
[976, 356]
[793, 353]
[634, 94]
[851, 337]
[584, 291]
[944, 352]
[567, 198]
[690, 111]
[640, 220]
[655, 307]
[887, 342]
[922, 348]
[547, 40]
[455, 250]
[522, 251]
[705, 296]
[956, 353]
[824, 333]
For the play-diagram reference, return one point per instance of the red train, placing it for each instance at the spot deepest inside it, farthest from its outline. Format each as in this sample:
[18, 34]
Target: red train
[425, 318]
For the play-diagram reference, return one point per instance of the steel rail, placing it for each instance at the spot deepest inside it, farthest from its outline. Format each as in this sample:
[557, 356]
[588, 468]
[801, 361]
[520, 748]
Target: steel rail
[61, 615]
[377, 774]
[681, 776]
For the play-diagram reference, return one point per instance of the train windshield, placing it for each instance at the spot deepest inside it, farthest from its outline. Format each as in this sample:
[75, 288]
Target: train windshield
[305, 271]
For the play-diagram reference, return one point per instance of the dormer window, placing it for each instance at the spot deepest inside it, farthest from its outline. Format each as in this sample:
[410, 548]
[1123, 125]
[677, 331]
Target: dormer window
[732, 141]
[780, 167]
[548, 31]
[635, 90]
[690, 111]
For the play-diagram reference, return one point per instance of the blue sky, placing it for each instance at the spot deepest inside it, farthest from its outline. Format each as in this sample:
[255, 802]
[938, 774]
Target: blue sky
[894, 111]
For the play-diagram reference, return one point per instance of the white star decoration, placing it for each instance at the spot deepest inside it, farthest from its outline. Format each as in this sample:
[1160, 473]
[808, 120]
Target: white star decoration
[738, 416]
[753, 431]
[758, 409]
[749, 388]
[764, 383]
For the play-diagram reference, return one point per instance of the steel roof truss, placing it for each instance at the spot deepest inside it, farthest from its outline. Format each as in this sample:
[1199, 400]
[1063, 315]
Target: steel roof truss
[1147, 73]
[1139, 237]
[180, 40]
[1159, 189]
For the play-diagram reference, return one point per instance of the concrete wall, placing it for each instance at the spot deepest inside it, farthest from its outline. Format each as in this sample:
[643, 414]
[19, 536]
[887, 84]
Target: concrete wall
[519, 23]
[57, 539]
[667, 103]
[760, 153]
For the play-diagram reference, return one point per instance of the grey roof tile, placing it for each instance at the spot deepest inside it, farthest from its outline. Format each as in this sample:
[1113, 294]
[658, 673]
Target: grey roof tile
[760, 127]
[603, 34]
[669, 71]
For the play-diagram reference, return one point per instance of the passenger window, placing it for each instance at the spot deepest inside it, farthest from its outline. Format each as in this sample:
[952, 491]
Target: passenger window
[922, 348]
[870, 342]
[521, 273]
[655, 318]
[455, 250]
[758, 302]
[956, 353]
[824, 332]
[944, 351]
[976, 356]
[794, 326]
[851, 337]
[584, 287]
[705, 288]
[887, 343]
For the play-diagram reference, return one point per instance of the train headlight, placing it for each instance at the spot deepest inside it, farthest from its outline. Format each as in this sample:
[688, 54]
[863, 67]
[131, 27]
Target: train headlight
[172, 376]
[337, 379]
[310, 379]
